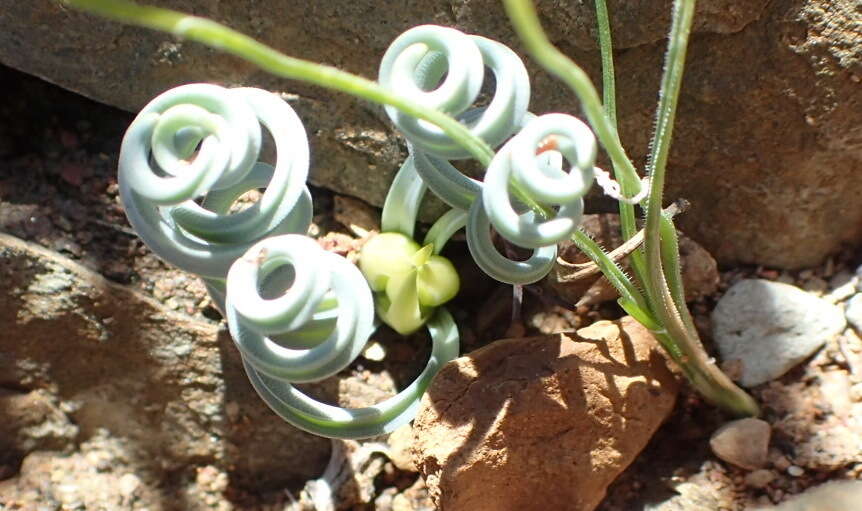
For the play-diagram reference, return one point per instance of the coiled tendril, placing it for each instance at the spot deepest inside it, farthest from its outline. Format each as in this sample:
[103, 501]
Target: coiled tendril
[201, 142]
[418, 59]
[415, 63]
[315, 329]
[542, 178]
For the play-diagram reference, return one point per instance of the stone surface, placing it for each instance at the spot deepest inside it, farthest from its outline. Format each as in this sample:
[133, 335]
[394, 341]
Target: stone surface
[769, 327]
[743, 442]
[853, 311]
[699, 269]
[701, 492]
[30, 421]
[767, 152]
[557, 416]
[82, 357]
[835, 496]
[400, 447]
[822, 422]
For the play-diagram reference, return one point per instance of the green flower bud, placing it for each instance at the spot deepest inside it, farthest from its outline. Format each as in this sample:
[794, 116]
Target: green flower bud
[409, 281]
[437, 281]
[385, 254]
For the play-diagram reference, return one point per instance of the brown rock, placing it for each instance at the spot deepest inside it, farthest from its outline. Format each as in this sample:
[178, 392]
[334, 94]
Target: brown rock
[767, 151]
[543, 422]
[699, 269]
[356, 215]
[743, 442]
[80, 355]
[400, 447]
[32, 420]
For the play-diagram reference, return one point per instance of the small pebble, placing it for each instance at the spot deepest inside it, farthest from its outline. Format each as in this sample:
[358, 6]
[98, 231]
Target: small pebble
[834, 496]
[374, 352]
[781, 463]
[795, 471]
[743, 442]
[786, 278]
[129, 484]
[843, 286]
[815, 285]
[400, 443]
[759, 478]
[768, 274]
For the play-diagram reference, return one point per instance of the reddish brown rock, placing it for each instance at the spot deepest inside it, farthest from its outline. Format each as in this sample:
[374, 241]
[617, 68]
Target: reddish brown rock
[542, 423]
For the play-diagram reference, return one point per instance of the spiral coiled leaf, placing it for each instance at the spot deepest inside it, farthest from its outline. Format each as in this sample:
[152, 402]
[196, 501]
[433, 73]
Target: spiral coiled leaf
[416, 64]
[312, 331]
[417, 61]
[190, 153]
[542, 178]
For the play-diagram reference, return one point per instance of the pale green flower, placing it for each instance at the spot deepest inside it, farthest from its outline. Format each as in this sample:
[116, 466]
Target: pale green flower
[409, 281]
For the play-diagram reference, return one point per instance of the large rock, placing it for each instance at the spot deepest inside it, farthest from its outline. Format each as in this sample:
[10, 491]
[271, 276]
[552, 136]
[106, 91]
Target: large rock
[543, 422]
[82, 358]
[768, 139]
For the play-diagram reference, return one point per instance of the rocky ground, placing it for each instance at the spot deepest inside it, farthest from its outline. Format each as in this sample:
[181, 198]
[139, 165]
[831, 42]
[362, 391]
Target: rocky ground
[164, 419]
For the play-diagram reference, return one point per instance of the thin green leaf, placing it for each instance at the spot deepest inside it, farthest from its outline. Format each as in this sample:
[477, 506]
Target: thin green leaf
[628, 291]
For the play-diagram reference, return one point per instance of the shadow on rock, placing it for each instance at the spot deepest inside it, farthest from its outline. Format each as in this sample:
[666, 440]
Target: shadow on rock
[558, 417]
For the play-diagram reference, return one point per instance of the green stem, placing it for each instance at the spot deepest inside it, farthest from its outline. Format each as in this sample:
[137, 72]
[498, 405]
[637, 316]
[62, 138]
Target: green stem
[606, 46]
[628, 291]
[523, 16]
[226, 39]
[628, 224]
[702, 372]
[676, 334]
[673, 269]
[656, 284]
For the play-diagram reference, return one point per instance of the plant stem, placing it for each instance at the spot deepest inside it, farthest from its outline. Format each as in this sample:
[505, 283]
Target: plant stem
[226, 39]
[522, 13]
[628, 224]
[703, 373]
[524, 19]
[609, 88]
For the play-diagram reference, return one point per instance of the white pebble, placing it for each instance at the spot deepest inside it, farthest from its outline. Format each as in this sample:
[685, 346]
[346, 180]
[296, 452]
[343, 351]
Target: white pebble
[129, 484]
[374, 352]
[771, 327]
